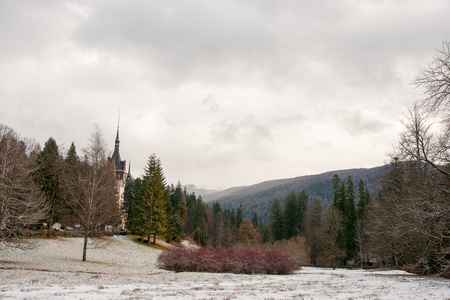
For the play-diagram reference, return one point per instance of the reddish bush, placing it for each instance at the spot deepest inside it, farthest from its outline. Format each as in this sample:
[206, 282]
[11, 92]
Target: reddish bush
[254, 260]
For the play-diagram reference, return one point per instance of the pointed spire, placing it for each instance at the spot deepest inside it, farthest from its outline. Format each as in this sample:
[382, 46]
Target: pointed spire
[116, 155]
[117, 135]
[129, 170]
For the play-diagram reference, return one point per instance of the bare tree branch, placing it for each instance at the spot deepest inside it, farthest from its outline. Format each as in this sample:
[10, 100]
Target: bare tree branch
[21, 201]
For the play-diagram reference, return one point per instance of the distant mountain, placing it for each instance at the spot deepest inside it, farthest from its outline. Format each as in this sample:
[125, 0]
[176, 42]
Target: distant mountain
[190, 188]
[258, 198]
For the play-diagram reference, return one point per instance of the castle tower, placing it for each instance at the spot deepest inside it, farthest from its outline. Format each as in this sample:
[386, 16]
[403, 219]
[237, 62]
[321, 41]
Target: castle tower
[121, 174]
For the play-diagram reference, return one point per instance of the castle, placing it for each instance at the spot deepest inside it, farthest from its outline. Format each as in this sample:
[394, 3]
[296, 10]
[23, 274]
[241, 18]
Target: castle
[122, 178]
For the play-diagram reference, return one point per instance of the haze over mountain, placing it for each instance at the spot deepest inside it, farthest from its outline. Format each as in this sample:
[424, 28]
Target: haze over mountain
[258, 198]
[203, 191]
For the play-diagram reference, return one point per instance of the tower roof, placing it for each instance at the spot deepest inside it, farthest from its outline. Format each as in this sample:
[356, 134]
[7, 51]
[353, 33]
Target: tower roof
[118, 163]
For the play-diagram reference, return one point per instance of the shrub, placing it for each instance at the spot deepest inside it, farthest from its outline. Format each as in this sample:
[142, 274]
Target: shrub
[296, 247]
[252, 260]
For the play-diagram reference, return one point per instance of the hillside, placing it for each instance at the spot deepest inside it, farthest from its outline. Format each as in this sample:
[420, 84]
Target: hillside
[258, 198]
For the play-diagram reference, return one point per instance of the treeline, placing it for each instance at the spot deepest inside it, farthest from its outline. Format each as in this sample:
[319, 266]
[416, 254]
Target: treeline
[41, 187]
[170, 212]
[331, 233]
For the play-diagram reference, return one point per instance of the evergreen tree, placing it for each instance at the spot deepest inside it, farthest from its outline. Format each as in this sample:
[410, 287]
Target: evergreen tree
[233, 218]
[170, 231]
[314, 232]
[72, 171]
[129, 198]
[266, 233]
[198, 220]
[179, 218]
[176, 196]
[200, 237]
[239, 216]
[72, 161]
[255, 221]
[364, 196]
[302, 207]
[200, 214]
[151, 203]
[277, 220]
[291, 215]
[350, 218]
[133, 216]
[49, 175]
[338, 189]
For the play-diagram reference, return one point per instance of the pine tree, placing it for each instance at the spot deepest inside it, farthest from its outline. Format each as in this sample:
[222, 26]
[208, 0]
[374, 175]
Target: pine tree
[49, 175]
[291, 215]
[255, 221]
[176, 196]
[239, 216]
[179, 218]
[302, 207]
[129, 198]
[72, 161]
[71, 173]
[277, 220]
[338, 188]
[170, 230]
[233, 218]
[150, 210]
[350, 218]
[364, 196]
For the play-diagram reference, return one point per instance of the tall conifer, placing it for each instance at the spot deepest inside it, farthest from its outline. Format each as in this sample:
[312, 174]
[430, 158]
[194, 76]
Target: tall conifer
[150, 209]
[291, 215]
[48, 176]
[277, 220]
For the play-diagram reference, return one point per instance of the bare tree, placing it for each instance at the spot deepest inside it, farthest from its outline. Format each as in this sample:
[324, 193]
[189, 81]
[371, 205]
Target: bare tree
[21, 201]
[409, 222]
[360, 240]
[92, 191]
[333, 227]
[423, 143]
[435, 79]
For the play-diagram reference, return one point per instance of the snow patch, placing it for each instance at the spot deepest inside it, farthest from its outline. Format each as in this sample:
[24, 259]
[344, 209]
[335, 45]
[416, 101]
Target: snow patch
[124, 269]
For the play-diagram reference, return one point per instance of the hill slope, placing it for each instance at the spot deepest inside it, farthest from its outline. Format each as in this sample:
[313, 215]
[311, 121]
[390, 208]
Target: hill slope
[258, 198]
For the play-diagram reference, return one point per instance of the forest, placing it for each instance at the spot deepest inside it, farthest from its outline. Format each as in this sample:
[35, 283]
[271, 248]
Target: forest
[405, 224]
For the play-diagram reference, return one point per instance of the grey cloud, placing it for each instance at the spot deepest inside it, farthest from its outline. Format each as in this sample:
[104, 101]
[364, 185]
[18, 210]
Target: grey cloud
[210, 103]
[263, 41]
[247, 131]
[358, 122]
[221, 85]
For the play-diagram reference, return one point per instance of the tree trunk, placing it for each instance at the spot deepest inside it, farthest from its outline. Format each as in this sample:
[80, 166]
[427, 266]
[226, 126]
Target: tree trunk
[49, 228]
[154, 239]
[86, 236]
[148, 239]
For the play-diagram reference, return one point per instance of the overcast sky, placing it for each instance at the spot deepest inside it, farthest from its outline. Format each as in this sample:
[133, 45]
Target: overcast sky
[225, 93]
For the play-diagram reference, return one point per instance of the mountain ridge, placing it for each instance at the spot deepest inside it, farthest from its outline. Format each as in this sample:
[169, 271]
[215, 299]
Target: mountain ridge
[257, 198]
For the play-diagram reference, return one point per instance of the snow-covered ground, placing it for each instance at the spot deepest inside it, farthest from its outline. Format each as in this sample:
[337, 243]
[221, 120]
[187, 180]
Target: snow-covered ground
[126, 270]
